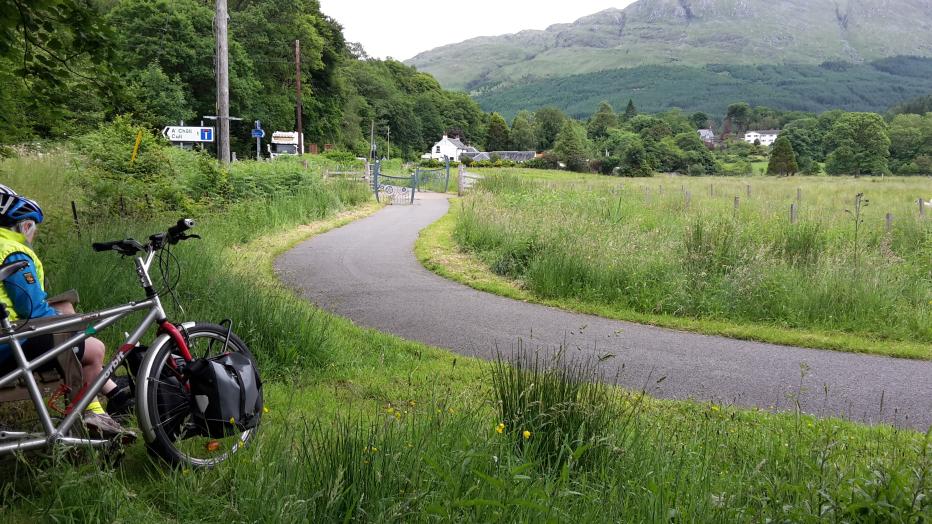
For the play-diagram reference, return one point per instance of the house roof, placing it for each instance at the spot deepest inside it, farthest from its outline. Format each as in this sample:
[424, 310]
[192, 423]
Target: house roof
[766, 131]
[456, 142]
[514, 156]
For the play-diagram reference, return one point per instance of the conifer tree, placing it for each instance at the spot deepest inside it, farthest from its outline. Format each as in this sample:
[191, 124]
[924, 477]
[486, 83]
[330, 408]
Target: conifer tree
[782, 158]
[630, 111]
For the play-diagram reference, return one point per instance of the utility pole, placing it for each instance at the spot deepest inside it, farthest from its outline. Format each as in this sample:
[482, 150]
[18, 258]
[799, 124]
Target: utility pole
[223, 82]
[372, 142]
[389, 147]
[297, 105]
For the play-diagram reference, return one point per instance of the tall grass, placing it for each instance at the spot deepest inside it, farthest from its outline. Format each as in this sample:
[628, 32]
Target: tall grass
[592, 453]
[638, 246]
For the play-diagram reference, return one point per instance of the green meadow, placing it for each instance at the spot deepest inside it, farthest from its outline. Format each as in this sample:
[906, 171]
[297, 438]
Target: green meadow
[800, 260]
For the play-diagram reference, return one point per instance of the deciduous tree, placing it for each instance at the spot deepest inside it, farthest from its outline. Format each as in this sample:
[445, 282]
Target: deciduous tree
[603, 120]
[859, 144]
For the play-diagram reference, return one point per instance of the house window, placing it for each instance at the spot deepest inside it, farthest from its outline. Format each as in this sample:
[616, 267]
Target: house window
[437, 150]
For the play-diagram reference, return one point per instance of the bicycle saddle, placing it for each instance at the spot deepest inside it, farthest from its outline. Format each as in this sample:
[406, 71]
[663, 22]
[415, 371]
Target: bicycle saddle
[7, 270]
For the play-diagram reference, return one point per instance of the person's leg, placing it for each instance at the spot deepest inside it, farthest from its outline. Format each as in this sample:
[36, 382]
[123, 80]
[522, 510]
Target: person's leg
[93, 361]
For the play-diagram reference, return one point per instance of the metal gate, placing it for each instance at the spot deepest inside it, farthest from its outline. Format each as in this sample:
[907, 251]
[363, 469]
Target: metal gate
[433, 179]
[394, 189]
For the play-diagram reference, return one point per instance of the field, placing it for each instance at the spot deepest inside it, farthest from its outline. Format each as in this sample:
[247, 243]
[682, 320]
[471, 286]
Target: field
[717, 254]
[367, 427]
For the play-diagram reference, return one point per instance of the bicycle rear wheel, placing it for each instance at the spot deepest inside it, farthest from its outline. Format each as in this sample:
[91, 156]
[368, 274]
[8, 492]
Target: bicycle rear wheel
[175, 437]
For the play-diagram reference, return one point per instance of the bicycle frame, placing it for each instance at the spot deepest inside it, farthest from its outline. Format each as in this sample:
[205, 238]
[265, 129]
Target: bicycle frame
[97, 321]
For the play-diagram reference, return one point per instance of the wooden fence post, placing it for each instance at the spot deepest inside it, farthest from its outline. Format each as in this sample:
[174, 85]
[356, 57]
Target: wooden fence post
[922, 208]
[737, 203]
[889, 223]
[749, 190]
[74, 213]
[793, 213]
[799, 194]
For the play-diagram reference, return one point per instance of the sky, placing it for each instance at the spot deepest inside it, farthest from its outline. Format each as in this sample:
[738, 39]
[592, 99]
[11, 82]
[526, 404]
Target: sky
[403, 28]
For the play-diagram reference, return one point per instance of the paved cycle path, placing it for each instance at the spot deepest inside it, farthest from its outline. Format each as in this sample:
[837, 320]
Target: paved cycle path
[367, 271]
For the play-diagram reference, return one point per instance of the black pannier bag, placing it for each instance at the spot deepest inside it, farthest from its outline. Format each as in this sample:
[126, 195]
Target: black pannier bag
[226, 394]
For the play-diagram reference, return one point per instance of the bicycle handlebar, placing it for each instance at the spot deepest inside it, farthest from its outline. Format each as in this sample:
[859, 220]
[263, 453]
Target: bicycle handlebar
[131, 246]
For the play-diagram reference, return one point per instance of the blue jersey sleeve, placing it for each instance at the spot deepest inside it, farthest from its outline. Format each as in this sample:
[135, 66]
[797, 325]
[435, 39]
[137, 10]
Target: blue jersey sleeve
[25, 290]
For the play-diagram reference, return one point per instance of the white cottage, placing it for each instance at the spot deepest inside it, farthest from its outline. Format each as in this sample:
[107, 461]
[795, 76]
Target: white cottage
[766, 137]
[450, 148]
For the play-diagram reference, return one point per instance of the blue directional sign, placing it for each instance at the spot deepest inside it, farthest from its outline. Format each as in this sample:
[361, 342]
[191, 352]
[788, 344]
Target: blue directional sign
[258, 133]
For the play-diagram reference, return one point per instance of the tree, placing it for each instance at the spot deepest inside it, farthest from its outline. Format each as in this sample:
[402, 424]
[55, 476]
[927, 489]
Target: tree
[740, 115]
[630, 111]
[498, 137]
[859, 145]
[523, 134]
[804, 136]
[699, 120]
[603, 120]
[571, 147]
[549, 122]
[782, 158]
[52, 41]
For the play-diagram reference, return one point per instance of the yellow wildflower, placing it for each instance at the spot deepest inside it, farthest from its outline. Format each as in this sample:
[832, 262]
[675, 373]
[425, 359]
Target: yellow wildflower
[716, 408]
[500, 428]
[527, 434]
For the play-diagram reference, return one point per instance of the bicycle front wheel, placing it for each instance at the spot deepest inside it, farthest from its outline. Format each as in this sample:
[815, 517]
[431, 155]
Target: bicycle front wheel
[175, 436]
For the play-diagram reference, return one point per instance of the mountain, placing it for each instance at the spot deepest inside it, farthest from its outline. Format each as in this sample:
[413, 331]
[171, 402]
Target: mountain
[873, 86]
[690, 33]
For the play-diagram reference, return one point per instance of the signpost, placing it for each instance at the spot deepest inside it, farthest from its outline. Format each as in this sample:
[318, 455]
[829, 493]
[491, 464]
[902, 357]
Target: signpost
[258, 133]
[188, 134]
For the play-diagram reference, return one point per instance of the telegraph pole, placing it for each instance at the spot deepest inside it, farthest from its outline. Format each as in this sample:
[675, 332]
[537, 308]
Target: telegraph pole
[389, 147]
[372, 142]
[223, 82]
[297, 107]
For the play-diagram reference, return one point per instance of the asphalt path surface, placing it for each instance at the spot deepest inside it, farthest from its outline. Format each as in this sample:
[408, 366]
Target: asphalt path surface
[367, 271]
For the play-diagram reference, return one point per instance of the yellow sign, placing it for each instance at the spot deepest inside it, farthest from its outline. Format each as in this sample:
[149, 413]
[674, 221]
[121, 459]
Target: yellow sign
[136, 147]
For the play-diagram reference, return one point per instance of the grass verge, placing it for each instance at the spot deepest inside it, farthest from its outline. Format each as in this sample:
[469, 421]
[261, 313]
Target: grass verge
[438, 251]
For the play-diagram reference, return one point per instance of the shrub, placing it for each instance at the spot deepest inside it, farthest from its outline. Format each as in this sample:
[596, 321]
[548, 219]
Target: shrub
[343, 157]
[545, 161]
[430, 163]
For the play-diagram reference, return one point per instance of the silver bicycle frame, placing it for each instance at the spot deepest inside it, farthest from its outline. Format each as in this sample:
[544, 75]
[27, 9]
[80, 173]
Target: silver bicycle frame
[97, 321]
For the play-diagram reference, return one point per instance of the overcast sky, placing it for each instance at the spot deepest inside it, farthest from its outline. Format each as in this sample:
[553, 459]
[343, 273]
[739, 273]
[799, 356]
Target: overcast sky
[403, 28]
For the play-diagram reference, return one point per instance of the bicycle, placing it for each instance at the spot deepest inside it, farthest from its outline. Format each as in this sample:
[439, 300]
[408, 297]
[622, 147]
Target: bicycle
[164, 401]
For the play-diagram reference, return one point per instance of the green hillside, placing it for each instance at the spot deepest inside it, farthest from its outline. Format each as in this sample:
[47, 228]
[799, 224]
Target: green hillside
[690, 32]
[866, 87]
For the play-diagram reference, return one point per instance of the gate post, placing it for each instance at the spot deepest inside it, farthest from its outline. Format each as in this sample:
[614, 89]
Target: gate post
[417, 172]
[414, 184]
[375, 180]
[460, 180]
[446, 185]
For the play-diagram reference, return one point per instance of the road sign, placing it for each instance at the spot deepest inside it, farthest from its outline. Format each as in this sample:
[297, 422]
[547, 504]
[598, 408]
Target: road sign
[189, 134]
[258, 133]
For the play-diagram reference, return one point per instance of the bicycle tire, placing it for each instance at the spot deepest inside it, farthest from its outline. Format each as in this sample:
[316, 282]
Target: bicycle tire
[174, 438]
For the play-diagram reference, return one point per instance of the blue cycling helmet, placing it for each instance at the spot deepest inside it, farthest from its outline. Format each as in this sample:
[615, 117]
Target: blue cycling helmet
[15, 208]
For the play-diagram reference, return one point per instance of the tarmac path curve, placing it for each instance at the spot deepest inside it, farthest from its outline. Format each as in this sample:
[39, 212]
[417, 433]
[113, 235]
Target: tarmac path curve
[367, 271]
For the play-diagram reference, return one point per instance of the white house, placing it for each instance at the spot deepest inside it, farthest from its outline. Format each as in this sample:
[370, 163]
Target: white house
[450, 148]
[707, 135]
[766, 137]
